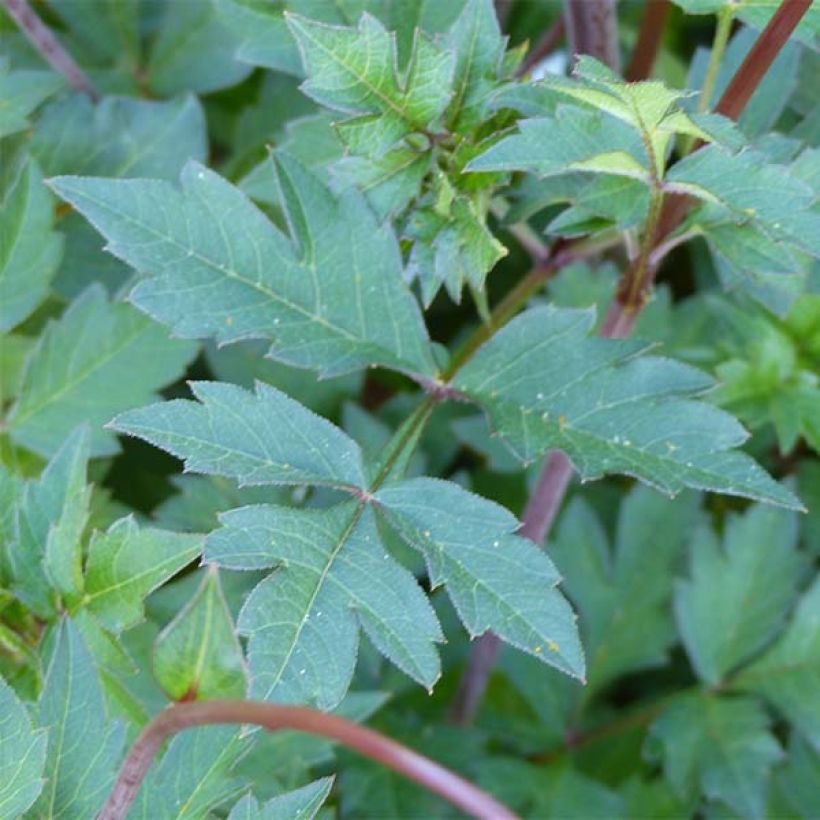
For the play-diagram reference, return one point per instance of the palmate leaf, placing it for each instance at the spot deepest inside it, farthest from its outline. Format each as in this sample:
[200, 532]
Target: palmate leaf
[299, 804]
[126, 563]
[29, 249]
[22, 755]
[96, 360]
[257, 438]
[332, 300]
[331, 577]
[497, 581]
[546, 384]
[623, 593]
[788, 674]
[83, 747]
[748, 586]
[198, 656]
[721, 747]
[356, 71]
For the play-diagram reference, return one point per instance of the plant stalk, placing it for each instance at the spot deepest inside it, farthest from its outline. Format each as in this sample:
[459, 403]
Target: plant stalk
[722, 32]
[48, 46]
[592, 28]
[620, 319]
[435, 778]
[544, 47]
[650, 35]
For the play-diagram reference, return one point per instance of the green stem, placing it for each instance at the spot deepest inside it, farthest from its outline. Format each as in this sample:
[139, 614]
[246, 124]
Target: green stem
[722, 32]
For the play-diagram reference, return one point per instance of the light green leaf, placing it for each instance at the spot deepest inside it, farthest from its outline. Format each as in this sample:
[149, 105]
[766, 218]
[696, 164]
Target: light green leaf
[355, 71]
[22, 755]
[96, 360]
[257, 438]
[332, 577]
[299, 804]
[83, 747]
[788, 674]
[572, 139]
[120, 136]
[21, 92]
[207, 755]
[50, 518]
[623, 593]
[198, 656]
[336, 304]
[746, 586]
[29, 249]
[497, 581]
[719, 746]
[546, 384]
[126, 563]
[193, 52]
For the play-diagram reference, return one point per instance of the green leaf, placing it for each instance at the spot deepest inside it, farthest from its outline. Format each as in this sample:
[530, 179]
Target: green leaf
[22, 755]
[207, 756]
[126, 563]
[21, 92]
[118, 359]
[299, 804]
[29, 249]
[788, 674]
[497, 581]
[50, 518]
[332, 577]
[747, 586]
[623, 593]
[719, 746]
[797, 779]
[574, 139]
[258, 438]
[335, 304]
[198, 656]
[193, 52]
[546, 384]
[355, 71]
[83, 747]
[120, 136]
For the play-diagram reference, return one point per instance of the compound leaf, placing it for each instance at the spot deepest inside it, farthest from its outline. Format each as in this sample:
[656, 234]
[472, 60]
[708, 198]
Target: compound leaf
[331, 577]
[97, 359]
[497, 581]
[747, 586]
[83, 747]
[258, 438]
[22, 755]
[299, 804]
[21, 92]
[336, 304]
[545, 384]
[126, 563]
[198, 656]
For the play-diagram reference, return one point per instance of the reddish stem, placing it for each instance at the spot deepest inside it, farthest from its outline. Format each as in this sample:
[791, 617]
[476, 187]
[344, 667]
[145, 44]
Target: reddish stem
[649, 40]
[435, 778]
[544, 47]
[47, 45]
[592, 28]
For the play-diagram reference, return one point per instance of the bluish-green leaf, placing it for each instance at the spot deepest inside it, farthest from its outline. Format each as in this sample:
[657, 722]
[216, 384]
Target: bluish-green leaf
[331, 577]
[96, 360]
[497, 581]
[257, 438]
[335, 302]
[546, 384]
[746, 586]
[20, 93]
[299, 804]
[83, 747]
[22, 755]
[30, 249]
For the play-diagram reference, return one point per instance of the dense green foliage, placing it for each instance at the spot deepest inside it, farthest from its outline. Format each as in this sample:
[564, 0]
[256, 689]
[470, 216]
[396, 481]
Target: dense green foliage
[283, 247]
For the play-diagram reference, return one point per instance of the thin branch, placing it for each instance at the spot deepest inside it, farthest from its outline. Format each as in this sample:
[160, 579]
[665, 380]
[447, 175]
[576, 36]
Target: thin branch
[536, 522]
[47, 45]
[648, 44]
[592, 28]
[544, 47]
[435, 778]
[622, 315]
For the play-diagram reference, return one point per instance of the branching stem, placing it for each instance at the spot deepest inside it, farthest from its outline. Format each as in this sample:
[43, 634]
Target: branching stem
[649, 40]
[48, 46]
[435, 778]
